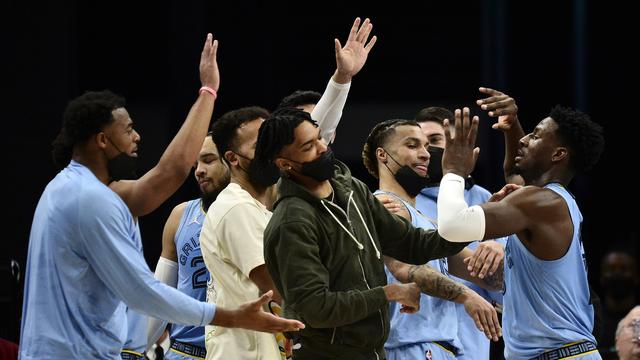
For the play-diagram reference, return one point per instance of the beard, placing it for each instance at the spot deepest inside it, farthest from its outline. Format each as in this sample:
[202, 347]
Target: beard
[208, 198]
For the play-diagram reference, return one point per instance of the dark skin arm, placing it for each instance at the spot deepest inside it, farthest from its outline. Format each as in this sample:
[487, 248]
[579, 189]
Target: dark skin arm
[504, 107]
[538, 216]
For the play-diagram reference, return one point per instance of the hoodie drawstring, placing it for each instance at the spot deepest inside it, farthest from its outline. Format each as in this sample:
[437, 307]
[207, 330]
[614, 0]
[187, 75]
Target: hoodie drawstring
[360, 246]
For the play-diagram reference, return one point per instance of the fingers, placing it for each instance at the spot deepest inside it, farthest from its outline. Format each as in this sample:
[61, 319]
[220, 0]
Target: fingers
[265, 298]
[489, 91]
[371, 43]
[473, 131]
[500, 102]
[492, 323]
[337, 45]
[476, 261]
[274, 324]
[363, 32]
[465, 122]
[488, 265]
[476, 154]
[447, 134]
[458, 123]
[476, 319]
[354, 30]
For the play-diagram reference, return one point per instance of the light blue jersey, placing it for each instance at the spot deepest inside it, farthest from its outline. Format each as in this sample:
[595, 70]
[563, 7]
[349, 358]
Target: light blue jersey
[475, 343]
[192, 273]
[546, 303]
[83, 263]
[435, 321]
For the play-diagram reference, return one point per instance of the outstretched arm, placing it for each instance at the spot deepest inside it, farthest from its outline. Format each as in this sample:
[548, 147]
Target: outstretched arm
[504, 107]
[146, 194]
[349, 61]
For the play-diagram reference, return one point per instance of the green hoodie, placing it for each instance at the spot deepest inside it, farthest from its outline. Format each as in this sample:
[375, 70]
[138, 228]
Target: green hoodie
[324, 258]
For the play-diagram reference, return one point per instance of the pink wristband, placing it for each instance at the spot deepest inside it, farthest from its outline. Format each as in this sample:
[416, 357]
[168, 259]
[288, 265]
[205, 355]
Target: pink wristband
[209, 90]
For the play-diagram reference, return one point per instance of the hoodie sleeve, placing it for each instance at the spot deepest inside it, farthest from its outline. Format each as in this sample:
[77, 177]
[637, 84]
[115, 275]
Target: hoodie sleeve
[293, 258]
[401, 240]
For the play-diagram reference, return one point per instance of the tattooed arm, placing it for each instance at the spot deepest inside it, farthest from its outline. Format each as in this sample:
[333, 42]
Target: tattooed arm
[458, 266]
[433, 283]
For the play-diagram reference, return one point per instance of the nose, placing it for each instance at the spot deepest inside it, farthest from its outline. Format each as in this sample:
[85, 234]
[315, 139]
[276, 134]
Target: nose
[322, 146]
[423, 154]
[199, 170]
[524, 140]
[136, 137]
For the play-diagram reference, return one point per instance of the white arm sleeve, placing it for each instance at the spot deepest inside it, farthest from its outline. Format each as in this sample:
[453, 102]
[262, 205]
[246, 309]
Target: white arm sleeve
[328, 110]
[457, 222]
[167, 272]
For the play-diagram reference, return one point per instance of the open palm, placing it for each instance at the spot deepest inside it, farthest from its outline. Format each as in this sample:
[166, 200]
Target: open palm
[351, 58]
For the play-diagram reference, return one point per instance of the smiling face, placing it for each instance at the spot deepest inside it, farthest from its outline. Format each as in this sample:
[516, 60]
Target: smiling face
[407, 146]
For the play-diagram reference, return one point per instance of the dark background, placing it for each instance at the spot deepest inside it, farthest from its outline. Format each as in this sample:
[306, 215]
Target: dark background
[575, 53]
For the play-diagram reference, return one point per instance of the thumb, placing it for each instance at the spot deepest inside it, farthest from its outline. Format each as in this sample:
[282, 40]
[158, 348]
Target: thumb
[337, 45]
[264, 298]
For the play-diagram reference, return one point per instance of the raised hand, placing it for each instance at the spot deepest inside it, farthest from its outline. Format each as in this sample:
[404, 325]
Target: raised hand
[460, 153]
[209, 74]
[499, 105]
[351, 58]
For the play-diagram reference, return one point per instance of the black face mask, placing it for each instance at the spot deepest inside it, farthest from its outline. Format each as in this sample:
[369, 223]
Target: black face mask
[434, 170]
[410, 180]
[619, 287]
[121, 167]
[320, 169]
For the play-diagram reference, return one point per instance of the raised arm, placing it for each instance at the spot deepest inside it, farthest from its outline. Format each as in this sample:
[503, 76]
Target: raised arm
[349, 61]
[504, 107]
[146, 194]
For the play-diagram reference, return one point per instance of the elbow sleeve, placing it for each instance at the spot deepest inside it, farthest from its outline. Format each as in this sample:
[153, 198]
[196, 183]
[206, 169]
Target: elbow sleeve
[457, 222]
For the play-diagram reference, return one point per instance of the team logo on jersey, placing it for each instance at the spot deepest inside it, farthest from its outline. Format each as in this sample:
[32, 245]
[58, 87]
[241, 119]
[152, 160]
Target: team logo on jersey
[427, 355]
[194, 220]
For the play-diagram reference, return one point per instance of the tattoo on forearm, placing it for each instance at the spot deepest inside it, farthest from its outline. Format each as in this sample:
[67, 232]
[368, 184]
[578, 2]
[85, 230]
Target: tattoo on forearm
[496, 280]
[433, 283]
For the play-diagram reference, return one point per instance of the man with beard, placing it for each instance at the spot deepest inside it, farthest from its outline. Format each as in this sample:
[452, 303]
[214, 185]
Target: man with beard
[181, 264]
[547, 309]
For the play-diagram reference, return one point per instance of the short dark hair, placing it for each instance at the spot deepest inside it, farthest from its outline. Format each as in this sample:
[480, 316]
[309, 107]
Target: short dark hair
[84, 116]
[581, 135]
[276, 133]
[299, 98]
[224, 131]
[435, 114]
[378, 137]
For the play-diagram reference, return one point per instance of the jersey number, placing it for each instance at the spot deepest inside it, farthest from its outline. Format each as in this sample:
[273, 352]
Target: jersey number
[199, 278]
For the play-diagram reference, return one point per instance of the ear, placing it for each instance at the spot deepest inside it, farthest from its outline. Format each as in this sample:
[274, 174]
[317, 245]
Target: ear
[559, 154]
[101, 140]
[381, 155]
[231, 157]
[283, 164]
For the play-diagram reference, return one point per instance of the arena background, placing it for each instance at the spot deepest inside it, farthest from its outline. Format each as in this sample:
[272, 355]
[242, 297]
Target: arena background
[576, 53]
